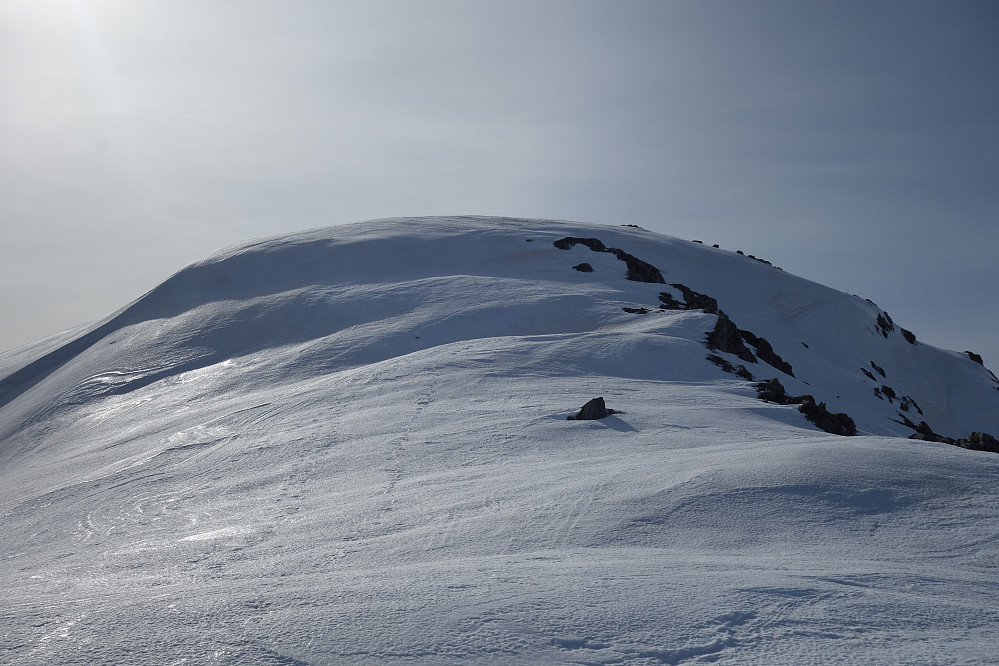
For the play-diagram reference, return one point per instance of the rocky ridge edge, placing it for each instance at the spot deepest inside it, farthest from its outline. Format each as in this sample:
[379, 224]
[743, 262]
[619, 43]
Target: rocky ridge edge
[728, 338]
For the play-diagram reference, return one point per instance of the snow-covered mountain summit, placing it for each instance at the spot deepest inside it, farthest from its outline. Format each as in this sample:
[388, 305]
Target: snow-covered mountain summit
[333, 299]
[351, 444]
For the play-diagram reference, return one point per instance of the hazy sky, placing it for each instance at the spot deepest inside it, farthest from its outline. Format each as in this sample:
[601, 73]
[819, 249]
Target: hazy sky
[852, 143]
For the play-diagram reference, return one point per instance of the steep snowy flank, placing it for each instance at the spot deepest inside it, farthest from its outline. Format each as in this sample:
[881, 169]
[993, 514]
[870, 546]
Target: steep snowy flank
[352, 444]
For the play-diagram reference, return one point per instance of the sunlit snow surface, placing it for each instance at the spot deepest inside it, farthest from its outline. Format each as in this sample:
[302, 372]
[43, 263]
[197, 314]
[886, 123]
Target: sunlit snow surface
[350, 445]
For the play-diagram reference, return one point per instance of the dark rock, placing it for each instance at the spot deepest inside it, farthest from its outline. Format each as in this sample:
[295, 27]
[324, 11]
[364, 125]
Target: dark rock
[693, 300]
[631, 225]
[879, 369]
[591, 411]
[771, 390]
[750, 337]
[885, 324]
[868, 373]
[805, 345]
[638, 270]
[696, 300]
[721, 363]
[738, 251]
[636, 310]
[739, 370]
[975, 357]
[766, 352]
[592, 243]
[583, 268]
[726, 338]
[698, 242]
[715, 245]
[888, 392]
[976, 441]
[835, 423]
[670, 303]
[877, 392]
[924, 428]
[979, 441]
[909, 336]
[925, 433]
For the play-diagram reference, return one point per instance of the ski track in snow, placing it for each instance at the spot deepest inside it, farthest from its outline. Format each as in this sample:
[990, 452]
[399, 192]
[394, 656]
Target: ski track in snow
[268, 468]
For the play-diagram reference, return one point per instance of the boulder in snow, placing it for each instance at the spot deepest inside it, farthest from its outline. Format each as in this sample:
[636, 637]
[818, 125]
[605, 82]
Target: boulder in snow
[592, 410]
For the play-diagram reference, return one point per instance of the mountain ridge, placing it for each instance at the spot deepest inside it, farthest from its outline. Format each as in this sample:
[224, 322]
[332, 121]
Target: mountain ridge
[308, 261]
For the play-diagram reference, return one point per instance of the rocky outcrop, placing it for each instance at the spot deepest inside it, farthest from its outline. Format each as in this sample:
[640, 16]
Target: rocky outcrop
[593, 243]
[594, 409]
[979, 441]
[670, 303]
[975, 357]
[836, 423]
[905, 402]
[766, 352]
[638, 270]
[723, 337]
[976, 441]
[771, 390]
[694, 300]
[925, 433]
[739, 370]
[726, 337]
[885, 324]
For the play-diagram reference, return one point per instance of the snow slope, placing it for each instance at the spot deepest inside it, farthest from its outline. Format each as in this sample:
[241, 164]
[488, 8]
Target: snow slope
[350, 445]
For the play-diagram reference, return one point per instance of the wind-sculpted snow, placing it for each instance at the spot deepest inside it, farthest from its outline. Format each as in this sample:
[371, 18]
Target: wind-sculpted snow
[352, 446]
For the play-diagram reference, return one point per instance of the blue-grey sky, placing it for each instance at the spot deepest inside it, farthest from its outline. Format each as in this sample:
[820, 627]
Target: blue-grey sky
[852, 143]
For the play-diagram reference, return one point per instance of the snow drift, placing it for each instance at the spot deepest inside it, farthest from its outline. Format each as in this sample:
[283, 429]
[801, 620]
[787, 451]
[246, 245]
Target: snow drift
[351, 444]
